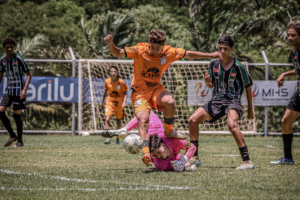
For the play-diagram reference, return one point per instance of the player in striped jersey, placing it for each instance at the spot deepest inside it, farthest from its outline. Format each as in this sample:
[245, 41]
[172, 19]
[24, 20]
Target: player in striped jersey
[293, 108]
[228, 77]
[15, 92]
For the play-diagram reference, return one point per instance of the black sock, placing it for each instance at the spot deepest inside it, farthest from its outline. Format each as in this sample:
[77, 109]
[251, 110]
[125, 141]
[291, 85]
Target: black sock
[244, 153]
[287, 143]
[195, 142]
[7, 124]
[19, 123]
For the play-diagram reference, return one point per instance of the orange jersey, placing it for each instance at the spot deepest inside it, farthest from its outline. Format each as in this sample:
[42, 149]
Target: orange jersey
[148, 69]
[116, 92]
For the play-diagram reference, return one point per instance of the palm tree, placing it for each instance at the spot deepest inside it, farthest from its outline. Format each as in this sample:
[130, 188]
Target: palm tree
[120, 26]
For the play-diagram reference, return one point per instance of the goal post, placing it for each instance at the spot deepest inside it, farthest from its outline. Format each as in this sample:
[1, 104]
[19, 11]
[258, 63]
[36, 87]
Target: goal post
[184, 80]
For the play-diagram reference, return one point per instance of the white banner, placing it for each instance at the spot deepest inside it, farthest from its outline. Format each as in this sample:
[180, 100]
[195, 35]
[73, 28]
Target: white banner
[264, 93]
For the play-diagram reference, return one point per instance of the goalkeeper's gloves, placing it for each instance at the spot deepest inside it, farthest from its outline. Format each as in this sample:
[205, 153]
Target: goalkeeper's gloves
[184, 164]
[122, 132]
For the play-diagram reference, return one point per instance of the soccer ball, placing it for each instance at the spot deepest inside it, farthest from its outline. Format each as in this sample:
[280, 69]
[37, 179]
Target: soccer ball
[133, 144]
[85, 133]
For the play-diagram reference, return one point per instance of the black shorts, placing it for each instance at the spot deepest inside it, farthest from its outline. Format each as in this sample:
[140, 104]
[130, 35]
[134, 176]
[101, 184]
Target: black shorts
[7, 100]
[294, 103]
[219, 107]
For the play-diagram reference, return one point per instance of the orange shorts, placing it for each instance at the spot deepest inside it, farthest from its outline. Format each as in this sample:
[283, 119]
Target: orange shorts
[146, 100]
[119, 113]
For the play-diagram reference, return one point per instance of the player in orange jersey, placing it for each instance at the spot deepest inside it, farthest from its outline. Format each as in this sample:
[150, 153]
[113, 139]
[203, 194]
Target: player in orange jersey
[151, 60]
[116, 101]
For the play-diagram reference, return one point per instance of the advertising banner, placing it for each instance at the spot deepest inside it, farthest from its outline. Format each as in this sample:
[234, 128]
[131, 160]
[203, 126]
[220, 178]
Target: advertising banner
[264, 93]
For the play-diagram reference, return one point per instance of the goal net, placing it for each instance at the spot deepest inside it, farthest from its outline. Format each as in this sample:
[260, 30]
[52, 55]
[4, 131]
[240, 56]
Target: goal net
[184, 80]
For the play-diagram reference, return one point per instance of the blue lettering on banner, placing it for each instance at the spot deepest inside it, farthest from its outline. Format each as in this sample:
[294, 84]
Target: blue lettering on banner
[63, 89]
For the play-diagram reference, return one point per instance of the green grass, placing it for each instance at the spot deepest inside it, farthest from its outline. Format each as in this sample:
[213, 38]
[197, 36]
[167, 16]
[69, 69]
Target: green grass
[66, 167]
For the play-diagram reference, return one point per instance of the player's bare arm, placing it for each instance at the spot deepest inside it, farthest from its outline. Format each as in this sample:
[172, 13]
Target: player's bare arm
[208, 81]
[201, 55]
[115, 51]
[280, 79]
[103, 99]
[24, 91]
[250, 103]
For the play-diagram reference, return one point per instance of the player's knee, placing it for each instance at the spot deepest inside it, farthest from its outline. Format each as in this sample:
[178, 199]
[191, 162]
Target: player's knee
[193, 121]
[232, 127]
[143, 123]
[169, 101]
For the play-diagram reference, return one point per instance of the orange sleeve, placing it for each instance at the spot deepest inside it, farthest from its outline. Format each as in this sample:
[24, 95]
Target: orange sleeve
[105, 86]
[132, 52]
[177, 53]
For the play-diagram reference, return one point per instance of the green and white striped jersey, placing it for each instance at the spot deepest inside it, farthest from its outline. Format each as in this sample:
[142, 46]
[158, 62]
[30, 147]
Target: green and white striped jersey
[296, 63]
[230, 83]
[14, 71]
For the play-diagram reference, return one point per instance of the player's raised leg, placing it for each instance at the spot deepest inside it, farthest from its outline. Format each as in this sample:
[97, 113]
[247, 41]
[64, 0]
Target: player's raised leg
[166, 100]
[200, 115]
[232, 121]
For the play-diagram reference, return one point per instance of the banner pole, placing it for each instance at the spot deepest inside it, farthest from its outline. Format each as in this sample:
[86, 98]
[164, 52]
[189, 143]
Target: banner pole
[266, 78]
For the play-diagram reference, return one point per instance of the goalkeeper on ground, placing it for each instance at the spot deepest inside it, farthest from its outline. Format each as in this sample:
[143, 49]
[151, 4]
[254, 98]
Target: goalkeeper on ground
[165, 151]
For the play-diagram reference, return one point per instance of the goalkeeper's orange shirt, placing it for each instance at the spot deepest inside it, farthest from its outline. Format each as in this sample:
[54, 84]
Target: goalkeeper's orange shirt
[148, 69]
[116, 91]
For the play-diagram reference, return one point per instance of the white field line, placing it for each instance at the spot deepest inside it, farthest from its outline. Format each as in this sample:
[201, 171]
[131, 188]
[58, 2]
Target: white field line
[270, 146]
[226, 155]
[157, 187]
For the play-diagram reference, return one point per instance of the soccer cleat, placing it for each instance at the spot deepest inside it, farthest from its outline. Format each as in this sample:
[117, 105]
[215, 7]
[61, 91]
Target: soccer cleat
[146, 159]
[117, 141]
[176, 134]
[107, 141]
[246, 165]
[10, 140]
[19, 144]
[283, 161]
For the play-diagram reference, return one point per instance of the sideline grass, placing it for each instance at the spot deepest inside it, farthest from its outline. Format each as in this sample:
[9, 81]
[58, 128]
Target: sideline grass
[66, 167]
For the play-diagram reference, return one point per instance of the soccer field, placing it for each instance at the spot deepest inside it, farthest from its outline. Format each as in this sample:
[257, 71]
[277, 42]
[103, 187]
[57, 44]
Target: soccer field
[66, 167]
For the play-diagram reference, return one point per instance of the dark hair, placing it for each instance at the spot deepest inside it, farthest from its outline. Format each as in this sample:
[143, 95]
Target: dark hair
[295, 25]
[157, 36]
[226, 40]
[116, 68]
[155, 142]
[8, 40]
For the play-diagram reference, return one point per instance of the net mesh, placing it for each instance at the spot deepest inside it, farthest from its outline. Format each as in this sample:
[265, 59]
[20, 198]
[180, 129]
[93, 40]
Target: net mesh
[176, 80]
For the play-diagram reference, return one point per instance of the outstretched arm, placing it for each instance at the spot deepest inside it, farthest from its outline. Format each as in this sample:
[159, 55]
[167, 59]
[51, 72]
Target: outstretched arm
[132, 124]
[201, 55]
[280, 79]
[115, 51]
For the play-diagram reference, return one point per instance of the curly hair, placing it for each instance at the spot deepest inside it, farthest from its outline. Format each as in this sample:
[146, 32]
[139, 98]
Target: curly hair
[155, 142]
[8, 40]
[226, 40]
[157, 36]
[295, 25]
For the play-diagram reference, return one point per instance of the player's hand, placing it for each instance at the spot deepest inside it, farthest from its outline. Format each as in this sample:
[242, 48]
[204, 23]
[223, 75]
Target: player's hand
[208, 80]
[217, 54]
[102, 107]
[250, 114]
[177, 165]
[280, 80]
[124, 105]
[23, 94]
[109, 39]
